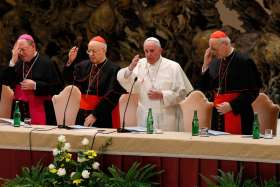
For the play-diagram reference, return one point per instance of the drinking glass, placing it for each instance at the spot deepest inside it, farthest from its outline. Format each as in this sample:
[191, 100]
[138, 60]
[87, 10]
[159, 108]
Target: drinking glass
[157, 123]
[27, 122]
[268, 134]
[204, 132]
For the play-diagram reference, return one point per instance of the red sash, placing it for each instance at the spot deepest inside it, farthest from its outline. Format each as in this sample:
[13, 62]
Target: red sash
[90, 102]
[36, 104]
[232, 122]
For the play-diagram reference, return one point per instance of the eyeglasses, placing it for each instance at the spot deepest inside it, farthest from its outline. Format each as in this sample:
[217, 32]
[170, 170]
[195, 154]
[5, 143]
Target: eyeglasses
[91, 51]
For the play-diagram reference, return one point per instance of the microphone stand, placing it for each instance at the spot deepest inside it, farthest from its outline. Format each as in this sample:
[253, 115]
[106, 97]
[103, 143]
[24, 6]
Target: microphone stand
[122, 129]
[64, 126]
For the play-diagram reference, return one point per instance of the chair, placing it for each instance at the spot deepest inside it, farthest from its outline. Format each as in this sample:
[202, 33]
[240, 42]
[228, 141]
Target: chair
[267, 112]
[130, 116]
[6, 102]
[60, 101]
[196, 101]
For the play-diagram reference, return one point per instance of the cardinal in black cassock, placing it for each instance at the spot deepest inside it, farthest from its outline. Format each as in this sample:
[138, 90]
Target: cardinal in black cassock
[97, 80]
[234, 82]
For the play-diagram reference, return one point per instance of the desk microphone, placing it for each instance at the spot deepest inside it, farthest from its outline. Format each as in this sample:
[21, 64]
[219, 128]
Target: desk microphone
[122, 129]
[64, 126]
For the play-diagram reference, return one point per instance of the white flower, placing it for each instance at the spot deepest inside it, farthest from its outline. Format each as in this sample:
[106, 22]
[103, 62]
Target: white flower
[85, 174]
[79, 159]
[51, 166]
[72, 174]
[85, 141]
[61, 172]
[66, 147]
[55, 151]
[95, 165]
[61, 138]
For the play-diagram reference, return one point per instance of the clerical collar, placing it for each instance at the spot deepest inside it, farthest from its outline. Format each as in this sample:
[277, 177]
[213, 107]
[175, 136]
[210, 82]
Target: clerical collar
[229, 55]
[100, 64]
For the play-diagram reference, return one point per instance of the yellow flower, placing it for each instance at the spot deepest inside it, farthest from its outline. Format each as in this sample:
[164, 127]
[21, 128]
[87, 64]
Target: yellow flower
[77, 181]
[91, 154]
[68, 157]
[53, 170]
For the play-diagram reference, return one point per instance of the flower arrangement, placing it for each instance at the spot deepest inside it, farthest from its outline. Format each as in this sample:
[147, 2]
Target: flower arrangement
[66, 171]
[70, 170]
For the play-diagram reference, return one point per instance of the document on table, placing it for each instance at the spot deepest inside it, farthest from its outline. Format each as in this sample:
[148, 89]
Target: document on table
[217, 133]
[136, 129]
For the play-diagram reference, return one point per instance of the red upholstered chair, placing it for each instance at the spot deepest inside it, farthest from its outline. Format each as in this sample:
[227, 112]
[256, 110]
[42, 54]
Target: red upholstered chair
[196, 101]
[6, 102]
[267, 112]
[59, 103]
[130, 116]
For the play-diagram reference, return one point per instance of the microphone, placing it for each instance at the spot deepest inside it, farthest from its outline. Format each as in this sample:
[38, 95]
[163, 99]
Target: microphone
[64, 126]
[122, 129]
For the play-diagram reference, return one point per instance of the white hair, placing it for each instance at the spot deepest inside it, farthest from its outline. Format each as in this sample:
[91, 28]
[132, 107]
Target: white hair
[221, 40]
[104, 45]
[153, 39]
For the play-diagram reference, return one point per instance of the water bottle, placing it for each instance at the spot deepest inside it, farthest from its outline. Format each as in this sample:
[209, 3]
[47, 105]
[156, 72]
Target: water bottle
[195, 124]
[256, 127]
[150, 122]
[17, 115]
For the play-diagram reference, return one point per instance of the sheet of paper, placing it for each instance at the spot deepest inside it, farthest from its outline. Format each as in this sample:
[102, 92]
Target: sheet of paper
[217, 133]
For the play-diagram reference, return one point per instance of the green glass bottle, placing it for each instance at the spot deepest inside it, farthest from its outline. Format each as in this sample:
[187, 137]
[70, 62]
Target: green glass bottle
[195, 124]
[17, 115]
[256, 127]
[150, 122]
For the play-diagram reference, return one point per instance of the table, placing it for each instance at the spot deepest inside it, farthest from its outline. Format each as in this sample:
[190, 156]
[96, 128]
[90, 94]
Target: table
[182, 156]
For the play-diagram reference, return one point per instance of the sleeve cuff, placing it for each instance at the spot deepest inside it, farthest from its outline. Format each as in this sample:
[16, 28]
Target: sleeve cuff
[203, 69]
[165, 94]
[11, 64]
[127, 73]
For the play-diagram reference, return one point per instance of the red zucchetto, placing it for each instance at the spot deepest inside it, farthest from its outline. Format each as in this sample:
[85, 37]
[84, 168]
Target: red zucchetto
[98, 39]
[218, 34]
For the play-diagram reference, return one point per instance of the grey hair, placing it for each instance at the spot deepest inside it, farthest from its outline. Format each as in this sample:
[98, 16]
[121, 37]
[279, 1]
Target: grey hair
[222, 40]
[104, 45]
[153, 39]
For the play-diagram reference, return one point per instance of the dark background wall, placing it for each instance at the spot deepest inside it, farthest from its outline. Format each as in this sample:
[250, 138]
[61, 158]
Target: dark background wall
[183, 26]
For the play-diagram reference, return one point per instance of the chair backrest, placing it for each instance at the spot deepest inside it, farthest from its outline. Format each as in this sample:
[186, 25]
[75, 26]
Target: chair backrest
[196, 101]
[267, 112]
[130, 116]
[6, 102]
[60, 101]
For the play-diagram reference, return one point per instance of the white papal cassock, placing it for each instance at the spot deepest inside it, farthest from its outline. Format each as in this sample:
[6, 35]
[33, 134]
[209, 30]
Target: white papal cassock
[165, 75]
